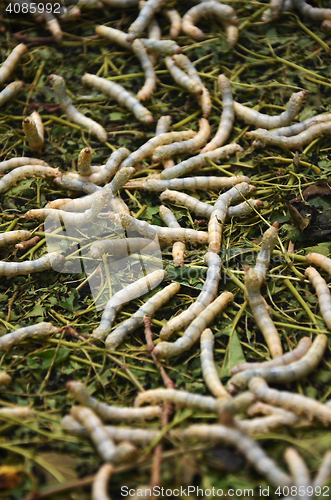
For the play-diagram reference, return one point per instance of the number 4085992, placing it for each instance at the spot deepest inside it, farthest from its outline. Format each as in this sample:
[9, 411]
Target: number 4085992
[34, 8]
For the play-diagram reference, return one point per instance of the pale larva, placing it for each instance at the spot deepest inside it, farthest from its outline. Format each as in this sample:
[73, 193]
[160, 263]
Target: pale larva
[84, 162]
[184, 147]
[17, 412]
[20, 173]
[117, 205]
[49, 261]
[319, 260]
[300, 405]
[175, 21]
[5, 379]
[263, 425]
[260, 313]
[107, 171]
[100, 482]
[285, 374]
[288, 358]
[72, 113]
[200, 160]
[123, 97]
[10, 91]
[114, 35]
[131, 292]
[324, 471]
[20, 162]
[326, 26]
[52, 24]
[73, 184]
[34, 131]
[253, 453]
[259, 408]
[253, 117]
[164, 47]
[187, 183]
[245, 208]
[299, 471]
[148, 148]
[220, 11]
[227, 116]
[150, 78]
[296, 128]
[323, 294]
[116, 337]
[71, 13]
[231, 32]
[126, 246]
[178, 248]
[13, 236]
[206, 296]
[39, 330]
[144, 17]
[120, 179]
[267, 246]
[209, 371]
[110, 413]
[184, 80]
[315, 13]
[193, 332]
[10, 63]
[163, 124]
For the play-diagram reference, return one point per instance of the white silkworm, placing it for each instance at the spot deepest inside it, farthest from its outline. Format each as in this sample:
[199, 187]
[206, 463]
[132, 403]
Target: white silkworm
[299, 471]
[72, 113]
[84, 162]
[55, 204]
[184, 147]
[319, 260]
[148, 148]
[163, 125]
[245, 208]
[323, 293]
[117, 205]
[288, 358]
[114, 35]
[253, 453]
[122, 96]
[10, 91]
[17, 412]
[165, 47]
[20, 162]
[194, 331]
[188, 183]
[260, 313]
[179, 248]
[52, 24]
[20, 173]
[34, 131]
[13, 236]
[182, 79]
[209, 371]
[206, 296]
[49, 261]
[300, 405]
[150, 78]
[285, 374]
[131, 292]
[324, 471]
[296, 128]
[227, 116]
[259, 408]
[126, 246]
[5, 379]
[107, 171]
[231, 32]
[175, 21]
[10, 63]
[263, 425]
[253, 117]
[38, 330]
[145, 15]
[73, 184]
[315, 13]
[116, 337]
[267, 245]
[166, 235]
[100, 482]
[220, 11]
[110, 413]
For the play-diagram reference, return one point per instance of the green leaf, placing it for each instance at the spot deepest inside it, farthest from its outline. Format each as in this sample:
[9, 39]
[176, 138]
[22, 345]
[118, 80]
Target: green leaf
[234, 355]
[48, 356]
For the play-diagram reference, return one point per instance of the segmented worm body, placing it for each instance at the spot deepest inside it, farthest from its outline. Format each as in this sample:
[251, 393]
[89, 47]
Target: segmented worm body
[175, 21]
[264, 425]
[323, 293]
[319, 260]
[20, 173]
[296, 128]
[107, 171]
[125, 295]
[10, 63]
[5, 379]
[180, 398]
[39, 330]
[209, 371]
[72, 113]
[231, 32]
[268, 243]
[109, 413]
[144, 17]
[49, 261]
[194, 331]
[17, 411]
[220, 11]
[206, 296]
[253, 117]
[10, 91]
[20, 162]
[315, 13]
[34, 131]
[84, 162]
[73, 184]
[122, 96]
[150, 78]
[114, 35]
[13, 236]
[100, 482]
[164, 47]
[298, 469]
[150, 307]
[187, 183]
[188, 83]
[126, 246]
[178, 248]
[227, 116]
[163, 124]
[324, 471]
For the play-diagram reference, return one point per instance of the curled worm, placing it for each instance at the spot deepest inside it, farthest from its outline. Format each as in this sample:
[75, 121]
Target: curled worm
[220, 11]
[144, 17]
[107, 171]
[319, 260]
[20, 173]
[175, 21]
[267, 245]
[184, 80]
[20, 162]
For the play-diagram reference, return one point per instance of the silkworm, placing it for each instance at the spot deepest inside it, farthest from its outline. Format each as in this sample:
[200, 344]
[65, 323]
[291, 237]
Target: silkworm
[231, 33]
[315, 13]
[184, 147]
[10, 63]
[17, 412]
[182, 79]
[117, 205]
[319, 260]
[263, 137]
[148, 148]
[260, 313]
[114, 35]
[296, 128]
[100, 482]
[120, 179]
[20, 173]
[298, 469]
[188, 183]
[323, 293]
[131, 292]
[263, 425]
[175, 21]
[220, 11]
[70, 13]
[193, 332]
[206, 296]
[13, 236]
[5, 379]
[324, 471]
[10, 91]
[116, 337]
[178, 248]
[72, 113]
[39, 330]
[107, 171]
[49, 261]
[209, 371]
[52, 24]
[20, 162]
[84, 162]
[227, 116]
[326, 26]
[122, 96]
[34, 131]
[267, 245]
[150, 78]
[288, 358]
[283, 374]
[163, 125]
[300, 405]
[111, 413]
[73, 184]
[165, 235]
[253, 117]
[259, 408]
[164, 47]
[144, 17]
[125, 246]
[251, 450]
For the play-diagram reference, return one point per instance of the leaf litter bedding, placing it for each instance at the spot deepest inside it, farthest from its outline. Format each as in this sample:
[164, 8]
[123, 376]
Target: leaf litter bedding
[193, 436]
